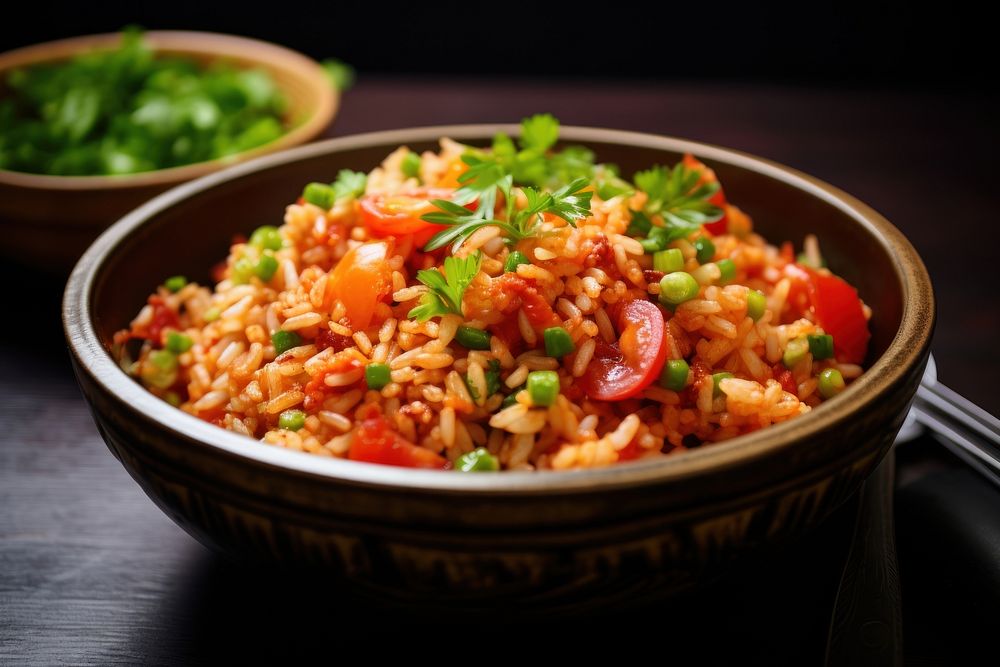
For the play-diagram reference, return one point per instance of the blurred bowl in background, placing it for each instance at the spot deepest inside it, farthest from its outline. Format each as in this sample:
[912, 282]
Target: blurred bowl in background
[48, 221]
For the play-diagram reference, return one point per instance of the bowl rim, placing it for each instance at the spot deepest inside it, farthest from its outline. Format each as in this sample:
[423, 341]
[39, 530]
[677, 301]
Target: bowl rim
[190, 42]
[906, 349]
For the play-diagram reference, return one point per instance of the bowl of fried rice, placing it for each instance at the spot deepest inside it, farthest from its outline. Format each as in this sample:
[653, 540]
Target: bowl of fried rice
[561, 367]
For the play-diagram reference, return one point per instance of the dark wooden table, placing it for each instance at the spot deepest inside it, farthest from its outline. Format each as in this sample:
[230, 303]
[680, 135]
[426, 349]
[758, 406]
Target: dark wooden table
[91, 572]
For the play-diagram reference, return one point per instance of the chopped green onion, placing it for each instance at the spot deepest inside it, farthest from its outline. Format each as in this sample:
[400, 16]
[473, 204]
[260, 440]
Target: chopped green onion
[175, 283]
[821, 346]
[266, 266]
[285, 340]
[639, 225]
[320, 194]
[160, 369]
[795, 352]
[756, 304]
[668, 261]
[211, 315]
[473, 339]
[557, 342]
[511, 398]
[377, 376]
[728, 270]
[266, 238]
[478, 460]
[716, 379]
[411, 165]
[543, 387]
[515, 259]
[674, 375]
[657, 240]
[292, 420]
[178, 343]
[706, 250]
[831, 383]
[677, 287]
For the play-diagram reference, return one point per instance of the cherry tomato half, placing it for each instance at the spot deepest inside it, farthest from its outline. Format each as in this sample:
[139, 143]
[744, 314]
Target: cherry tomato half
[399, 214]
[376, 442]
[624, 368]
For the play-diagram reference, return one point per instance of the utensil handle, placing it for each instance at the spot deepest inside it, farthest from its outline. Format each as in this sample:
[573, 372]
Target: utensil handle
[965, 429]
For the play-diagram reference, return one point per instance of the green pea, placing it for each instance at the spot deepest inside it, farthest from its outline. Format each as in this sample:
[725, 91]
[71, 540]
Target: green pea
[292, 420]
[706, 250]
[320, 194]
[284, 341]
[411, 165]
[266, 267]
[557, 342]
[175, 283]
[831, 383]
[716, 379]
[821, 346]
[675, 374]
[678, 287]
[266, 238]
[178, 343]
[756, 304]
[727, 270]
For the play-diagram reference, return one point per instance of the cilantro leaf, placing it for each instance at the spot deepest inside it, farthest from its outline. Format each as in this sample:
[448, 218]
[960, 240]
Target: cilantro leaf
[349, 184]
[676, 195]
[540, 132]
[447, 289]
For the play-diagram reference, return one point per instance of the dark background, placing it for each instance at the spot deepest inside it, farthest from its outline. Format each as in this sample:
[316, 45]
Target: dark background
[845, 44]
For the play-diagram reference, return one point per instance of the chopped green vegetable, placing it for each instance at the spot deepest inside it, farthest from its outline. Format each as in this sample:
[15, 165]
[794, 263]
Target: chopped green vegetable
[675, 374]
[677, 287]
[639, 226]
[705, 249]
[727, 269]
[716, 379]
[830, 383]
[821, 346]
[320, 194]
[265, 267]
[668, 261]
[446, 291]
[377, 375]
[349, 184]
[178, 343]
[795, 351]
[292, 420]
[473, 339]
[128, 110]
[159, 369]
[266, 238]
[557, 342]
[515, 259]
[478, 460]
[211, 314]
[543, 387]
[411, 165]
[756, 304]
[175, 283]
[284, 341]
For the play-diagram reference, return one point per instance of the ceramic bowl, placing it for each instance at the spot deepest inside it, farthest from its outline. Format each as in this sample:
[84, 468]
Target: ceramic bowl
[540, 541]
[48, 221]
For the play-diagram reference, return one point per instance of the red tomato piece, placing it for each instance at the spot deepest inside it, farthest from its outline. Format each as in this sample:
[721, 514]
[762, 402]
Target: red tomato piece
[623, 369]
[399, 215]
[376, 442]
[838, 310]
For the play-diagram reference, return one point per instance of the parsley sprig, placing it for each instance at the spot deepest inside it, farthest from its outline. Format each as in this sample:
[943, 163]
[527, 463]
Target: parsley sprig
[676, 195]
[447, 289]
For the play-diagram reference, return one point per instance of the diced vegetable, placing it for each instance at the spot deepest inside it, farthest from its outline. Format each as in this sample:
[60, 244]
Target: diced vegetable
[625, 368]
[705, 249]
[361, 279]
[821, 346]
[795, 351]
[756, 304]
[557, 342]
[716, 379]
[175, 283]
[320, 194]
[678, 287]
[377, 375]
[411, 165]
[543, 387]
[675, 375]
[285, 340]
[473, 339]
[727, 270]
[831, 383]
[478, 460]
[266, 267]
[668, 261]
[266, 238]
[160, 369]
[178, 343]
[292, 420]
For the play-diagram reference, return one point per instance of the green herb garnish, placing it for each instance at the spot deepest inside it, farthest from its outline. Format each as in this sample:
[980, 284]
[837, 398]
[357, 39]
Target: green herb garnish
[676, 195]
[446, 290]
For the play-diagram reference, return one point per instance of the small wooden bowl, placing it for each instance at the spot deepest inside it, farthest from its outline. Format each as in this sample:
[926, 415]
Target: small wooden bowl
[581, 539]
[48, 221]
